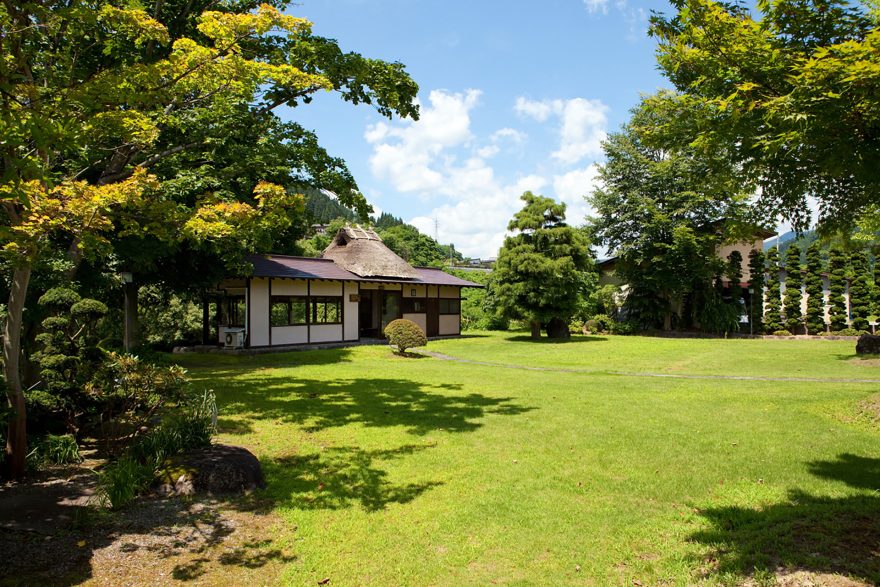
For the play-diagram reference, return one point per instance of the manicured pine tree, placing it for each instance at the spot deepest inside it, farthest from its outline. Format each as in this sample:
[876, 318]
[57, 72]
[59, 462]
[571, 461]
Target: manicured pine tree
[814, 289]
[773, 306]
[794, 320]
[756, 299]
[837, 306]
[735, 275]
[860, 290]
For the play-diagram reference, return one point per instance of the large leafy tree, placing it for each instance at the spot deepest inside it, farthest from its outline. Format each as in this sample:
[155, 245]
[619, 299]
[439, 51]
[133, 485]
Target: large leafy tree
[663, 208]
[791, 88]
[145, 134]
[543, 268]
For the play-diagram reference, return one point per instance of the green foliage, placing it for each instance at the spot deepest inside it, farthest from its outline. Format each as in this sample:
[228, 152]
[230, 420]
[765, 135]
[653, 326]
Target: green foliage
[191, 426]
[405, 334]
[794, 321]
[849, 332]
[544, 269]
[168, 319]
[837, 306]
[321, 208]
[773, 303]
[127, 392]
[756, 298]
[479, 307]
[416, 248]
[778, 87]
[664, 207]
[814, 290]
[385, 221]
[781, 333]
[626, 327]
[603, 322]
[860, 289]
[717, 316]
[53, 449]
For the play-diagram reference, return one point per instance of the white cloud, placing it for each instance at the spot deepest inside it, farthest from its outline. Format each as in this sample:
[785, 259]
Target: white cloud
[571, 188]
[582, 128]
[406, 155]
[594, 6]
[439, 159]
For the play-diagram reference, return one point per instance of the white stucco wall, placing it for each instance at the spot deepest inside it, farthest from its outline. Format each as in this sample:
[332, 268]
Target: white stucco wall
[420, 319]
[449, 324]
[258, 318]
[326, 288]
[450, 291]
[350, 313]
[326, 333]
[289, 287]
[282, 335]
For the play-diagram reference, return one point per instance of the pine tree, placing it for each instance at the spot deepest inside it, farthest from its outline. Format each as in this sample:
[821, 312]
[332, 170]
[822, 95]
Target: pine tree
[794, 321]
[837, 306]
[756, 298]
[814, 290]
[772, 313]
[860, 290]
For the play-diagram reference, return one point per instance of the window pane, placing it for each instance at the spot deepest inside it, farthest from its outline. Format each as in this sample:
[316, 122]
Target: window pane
[327, 310]
[279, 314]
[298, 311]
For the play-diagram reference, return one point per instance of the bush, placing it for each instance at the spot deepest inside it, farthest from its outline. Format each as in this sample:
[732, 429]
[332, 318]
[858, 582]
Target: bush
[604, 322]
[54, 450]
[781, 333]
[405, 334]
[849, 332]
[624, 328]
[190, 427]
[593, 326]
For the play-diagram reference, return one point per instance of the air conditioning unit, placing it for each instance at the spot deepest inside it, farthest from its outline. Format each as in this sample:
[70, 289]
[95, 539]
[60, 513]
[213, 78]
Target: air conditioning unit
[235, 338]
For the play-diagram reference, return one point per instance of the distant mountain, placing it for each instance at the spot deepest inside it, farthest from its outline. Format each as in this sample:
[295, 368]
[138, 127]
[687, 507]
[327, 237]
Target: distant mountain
[322, 208]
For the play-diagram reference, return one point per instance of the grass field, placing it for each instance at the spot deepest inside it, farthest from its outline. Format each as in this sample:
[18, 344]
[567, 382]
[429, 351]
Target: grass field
[399, 471]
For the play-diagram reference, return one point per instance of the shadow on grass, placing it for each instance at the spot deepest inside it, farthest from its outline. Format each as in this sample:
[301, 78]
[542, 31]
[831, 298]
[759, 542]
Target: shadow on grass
[811, 533]
[544, 340]
[319, 404]
[341, 477]
[220, 365]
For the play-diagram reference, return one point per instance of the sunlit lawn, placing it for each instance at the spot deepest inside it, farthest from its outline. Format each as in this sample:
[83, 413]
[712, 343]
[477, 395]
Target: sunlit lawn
[396, 471]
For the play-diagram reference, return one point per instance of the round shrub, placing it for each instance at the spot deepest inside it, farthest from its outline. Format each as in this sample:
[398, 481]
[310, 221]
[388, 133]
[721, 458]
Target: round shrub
[592, 326]
[88, 309]
[605, 321]
[781, 333]
[59, 297]
[405, 334]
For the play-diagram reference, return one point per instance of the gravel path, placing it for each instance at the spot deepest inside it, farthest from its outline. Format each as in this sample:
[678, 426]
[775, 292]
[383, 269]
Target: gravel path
[444, 357]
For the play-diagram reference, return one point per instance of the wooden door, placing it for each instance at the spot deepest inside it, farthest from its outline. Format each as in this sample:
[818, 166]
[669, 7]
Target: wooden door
[433, 317]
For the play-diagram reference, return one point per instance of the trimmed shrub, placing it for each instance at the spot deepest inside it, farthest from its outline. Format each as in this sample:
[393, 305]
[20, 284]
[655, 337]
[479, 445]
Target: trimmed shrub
[781, 333]
[849, 332]
[604, 322]
[593, 326]
[793, 297]
[813, 288]
[756, 298]
[405, 334]
[773, 305]
[837, 303]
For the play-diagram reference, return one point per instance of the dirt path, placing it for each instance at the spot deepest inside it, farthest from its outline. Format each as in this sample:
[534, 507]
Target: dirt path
[445, 357]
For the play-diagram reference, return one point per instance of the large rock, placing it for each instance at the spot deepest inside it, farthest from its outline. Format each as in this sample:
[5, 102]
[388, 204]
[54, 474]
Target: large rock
[868, 344]
[217, 469]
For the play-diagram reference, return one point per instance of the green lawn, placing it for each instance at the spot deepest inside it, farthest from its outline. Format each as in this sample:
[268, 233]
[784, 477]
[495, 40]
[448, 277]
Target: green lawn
[395, 471]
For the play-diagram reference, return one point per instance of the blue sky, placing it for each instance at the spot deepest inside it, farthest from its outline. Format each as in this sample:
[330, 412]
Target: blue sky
[514, 95]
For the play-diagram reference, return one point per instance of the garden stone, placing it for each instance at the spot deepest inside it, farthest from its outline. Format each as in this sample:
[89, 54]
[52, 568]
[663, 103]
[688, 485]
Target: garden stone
[217, 469]
[868, 344]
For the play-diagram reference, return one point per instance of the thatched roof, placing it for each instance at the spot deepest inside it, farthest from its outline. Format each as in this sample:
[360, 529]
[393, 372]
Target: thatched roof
[361, 251]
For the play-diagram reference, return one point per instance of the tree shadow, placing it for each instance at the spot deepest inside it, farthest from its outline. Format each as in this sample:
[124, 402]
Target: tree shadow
[317, 404]
[576, 339]
[221, 365]
[339, 478]
[812, 533]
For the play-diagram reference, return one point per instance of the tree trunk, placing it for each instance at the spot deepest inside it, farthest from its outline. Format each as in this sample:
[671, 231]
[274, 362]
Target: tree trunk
[16, 439]
[131, 326]
[536, 329]
[558, 328]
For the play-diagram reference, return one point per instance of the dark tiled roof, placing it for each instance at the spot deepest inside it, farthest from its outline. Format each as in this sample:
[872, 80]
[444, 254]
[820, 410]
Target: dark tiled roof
[311, 268]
